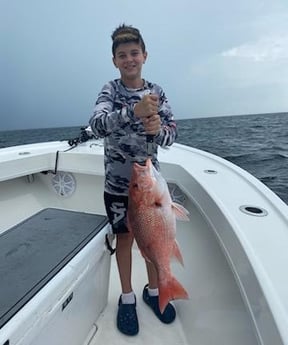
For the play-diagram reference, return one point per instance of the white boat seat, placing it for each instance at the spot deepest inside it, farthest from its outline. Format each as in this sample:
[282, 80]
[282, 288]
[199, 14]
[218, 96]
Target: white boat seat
[34, 251]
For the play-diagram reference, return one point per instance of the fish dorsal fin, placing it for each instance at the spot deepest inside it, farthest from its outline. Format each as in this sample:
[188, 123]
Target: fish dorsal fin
[180, 212]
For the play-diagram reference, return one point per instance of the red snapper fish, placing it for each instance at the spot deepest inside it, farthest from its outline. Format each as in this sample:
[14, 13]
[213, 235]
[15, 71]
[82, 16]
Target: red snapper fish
[152, 219]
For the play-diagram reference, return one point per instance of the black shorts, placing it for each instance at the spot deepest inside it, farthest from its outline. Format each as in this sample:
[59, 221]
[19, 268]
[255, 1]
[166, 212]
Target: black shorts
[116, 209]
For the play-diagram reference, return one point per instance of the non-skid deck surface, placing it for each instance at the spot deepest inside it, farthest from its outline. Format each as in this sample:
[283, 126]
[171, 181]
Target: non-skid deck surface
[151, 330]
[32, 252]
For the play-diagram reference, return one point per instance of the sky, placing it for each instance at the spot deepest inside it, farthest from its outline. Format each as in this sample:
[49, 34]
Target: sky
[212, 58]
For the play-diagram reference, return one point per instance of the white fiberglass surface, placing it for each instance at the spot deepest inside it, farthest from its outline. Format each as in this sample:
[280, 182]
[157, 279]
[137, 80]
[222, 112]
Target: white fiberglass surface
[214, 314]
[22, 197]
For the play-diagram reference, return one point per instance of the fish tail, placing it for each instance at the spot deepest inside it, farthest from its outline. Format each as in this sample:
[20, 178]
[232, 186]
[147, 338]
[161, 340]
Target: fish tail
[170, 291]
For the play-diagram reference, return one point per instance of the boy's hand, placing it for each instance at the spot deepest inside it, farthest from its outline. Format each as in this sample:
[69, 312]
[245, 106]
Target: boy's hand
[152, 124]
[146, 107]
[147, 111]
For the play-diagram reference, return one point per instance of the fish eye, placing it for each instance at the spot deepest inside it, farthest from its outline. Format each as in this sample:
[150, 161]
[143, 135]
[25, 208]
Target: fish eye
[158, 204]
[135, 185]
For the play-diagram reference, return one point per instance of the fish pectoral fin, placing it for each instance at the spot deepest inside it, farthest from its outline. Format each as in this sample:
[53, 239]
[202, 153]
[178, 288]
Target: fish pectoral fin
[180, 212]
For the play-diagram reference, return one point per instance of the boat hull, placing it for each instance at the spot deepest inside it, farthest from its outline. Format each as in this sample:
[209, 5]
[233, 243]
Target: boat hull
[232, 247]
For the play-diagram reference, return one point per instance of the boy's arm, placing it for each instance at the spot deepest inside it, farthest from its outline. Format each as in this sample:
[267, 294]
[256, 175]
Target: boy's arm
[168, 131]
[105, 118]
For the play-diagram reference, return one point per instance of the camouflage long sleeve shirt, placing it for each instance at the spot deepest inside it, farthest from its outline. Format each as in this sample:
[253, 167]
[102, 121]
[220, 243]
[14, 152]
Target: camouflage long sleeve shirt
[124, 135]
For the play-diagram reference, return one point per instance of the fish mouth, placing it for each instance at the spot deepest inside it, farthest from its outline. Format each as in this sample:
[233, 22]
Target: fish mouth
[143, 165]
[146, 168]
[139, 164]
[145, 176]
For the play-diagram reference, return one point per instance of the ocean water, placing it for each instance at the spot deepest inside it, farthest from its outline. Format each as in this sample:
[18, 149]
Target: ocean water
[256, 143]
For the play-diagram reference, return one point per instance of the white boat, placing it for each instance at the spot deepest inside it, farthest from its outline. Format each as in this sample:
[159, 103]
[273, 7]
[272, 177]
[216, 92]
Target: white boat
[59, 283]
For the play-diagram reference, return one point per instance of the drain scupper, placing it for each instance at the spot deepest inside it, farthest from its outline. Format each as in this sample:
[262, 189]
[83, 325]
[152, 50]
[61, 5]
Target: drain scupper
[253, 210]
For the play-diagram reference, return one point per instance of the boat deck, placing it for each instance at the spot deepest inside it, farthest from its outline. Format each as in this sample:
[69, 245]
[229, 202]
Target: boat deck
[214, 314]
[151, 330]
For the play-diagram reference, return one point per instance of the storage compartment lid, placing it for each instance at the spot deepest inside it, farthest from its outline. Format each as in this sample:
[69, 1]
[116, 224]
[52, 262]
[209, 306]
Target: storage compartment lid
[32, 252]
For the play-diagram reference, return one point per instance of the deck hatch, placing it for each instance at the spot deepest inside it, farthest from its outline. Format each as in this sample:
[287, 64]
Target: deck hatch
[34, 251]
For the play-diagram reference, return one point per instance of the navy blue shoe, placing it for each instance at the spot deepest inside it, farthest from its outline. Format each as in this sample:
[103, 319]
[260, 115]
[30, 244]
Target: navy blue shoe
[169, 313]
[127, 320]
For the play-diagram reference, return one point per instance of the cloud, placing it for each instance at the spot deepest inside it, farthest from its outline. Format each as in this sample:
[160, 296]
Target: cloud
[267, 49]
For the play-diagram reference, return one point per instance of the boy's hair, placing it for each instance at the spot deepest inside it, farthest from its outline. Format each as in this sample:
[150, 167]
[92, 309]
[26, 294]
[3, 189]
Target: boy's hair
[126, 34]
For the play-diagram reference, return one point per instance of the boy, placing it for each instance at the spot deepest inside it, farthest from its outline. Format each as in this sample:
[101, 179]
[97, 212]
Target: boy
[126, 111]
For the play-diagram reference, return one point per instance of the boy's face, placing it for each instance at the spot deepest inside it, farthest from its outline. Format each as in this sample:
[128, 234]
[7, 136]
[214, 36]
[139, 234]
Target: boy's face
[129, 59]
